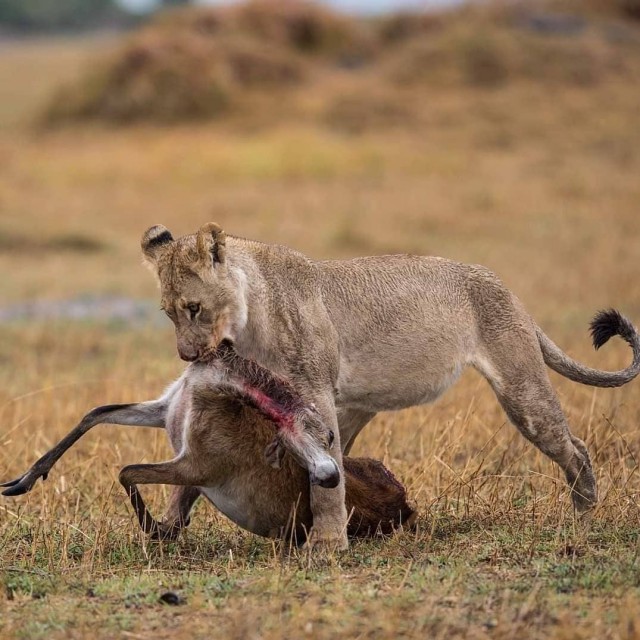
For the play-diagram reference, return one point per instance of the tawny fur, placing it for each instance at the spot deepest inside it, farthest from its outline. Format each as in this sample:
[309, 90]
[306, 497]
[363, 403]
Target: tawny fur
[371, 334]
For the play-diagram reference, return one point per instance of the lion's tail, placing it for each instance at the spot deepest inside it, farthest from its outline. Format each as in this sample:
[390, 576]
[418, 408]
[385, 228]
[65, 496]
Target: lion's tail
[604, 325]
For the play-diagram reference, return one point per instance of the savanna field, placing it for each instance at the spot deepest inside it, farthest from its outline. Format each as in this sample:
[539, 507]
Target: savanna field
[479, 136]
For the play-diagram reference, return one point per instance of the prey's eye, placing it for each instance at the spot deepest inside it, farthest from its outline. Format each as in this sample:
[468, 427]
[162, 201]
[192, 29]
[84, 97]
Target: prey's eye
[194, 309]
[332, 437]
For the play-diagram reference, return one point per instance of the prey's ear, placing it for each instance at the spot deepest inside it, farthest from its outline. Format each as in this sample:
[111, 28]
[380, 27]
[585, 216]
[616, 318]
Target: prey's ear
[211, 245]
[154, 241]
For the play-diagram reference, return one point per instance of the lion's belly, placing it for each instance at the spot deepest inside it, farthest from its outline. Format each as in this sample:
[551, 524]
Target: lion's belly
[386, 377]
[398, 391]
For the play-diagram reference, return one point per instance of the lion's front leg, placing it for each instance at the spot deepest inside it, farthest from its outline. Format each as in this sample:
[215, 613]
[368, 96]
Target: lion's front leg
[328, 505]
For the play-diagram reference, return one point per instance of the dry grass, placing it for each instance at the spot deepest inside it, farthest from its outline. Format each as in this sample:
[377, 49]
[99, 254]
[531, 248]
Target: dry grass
[540, 187]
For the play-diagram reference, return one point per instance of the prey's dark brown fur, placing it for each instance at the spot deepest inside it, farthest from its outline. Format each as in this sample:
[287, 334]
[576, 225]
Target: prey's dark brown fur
[220, 428]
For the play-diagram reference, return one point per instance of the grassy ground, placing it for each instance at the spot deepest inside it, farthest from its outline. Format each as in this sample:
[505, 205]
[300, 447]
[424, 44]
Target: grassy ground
[541, 186]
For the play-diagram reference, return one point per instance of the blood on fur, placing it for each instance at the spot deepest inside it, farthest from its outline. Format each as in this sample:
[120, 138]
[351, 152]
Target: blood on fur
[261, 388]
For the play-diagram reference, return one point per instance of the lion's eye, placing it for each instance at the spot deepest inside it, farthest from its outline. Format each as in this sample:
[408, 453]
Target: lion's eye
[194, 309]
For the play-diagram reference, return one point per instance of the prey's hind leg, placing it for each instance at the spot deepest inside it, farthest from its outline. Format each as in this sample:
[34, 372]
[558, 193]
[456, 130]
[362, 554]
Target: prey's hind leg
[532, 405]
[179, 471]
[176, 516]
[149, 414]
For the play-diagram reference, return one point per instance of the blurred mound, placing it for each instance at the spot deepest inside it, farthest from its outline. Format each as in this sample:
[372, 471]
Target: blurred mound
[194, 63]
[170, 76]
[204, 62]
[296, 26]
[486, 54]
[626, 9]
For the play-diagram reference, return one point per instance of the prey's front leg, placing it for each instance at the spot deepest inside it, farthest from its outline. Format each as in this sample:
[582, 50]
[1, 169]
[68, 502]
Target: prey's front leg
[147, 414]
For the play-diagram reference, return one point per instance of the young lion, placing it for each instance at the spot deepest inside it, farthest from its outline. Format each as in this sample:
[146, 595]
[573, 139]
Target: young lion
[371, 334]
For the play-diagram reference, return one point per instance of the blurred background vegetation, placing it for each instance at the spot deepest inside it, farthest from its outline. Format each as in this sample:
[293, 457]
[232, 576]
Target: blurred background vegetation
[503, 133]
[207, 61]
[494, 132]
[37, 16]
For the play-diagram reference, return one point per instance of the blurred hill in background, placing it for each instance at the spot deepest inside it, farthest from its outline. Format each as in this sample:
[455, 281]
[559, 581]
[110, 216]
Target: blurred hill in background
[265, 60]
[494, 133]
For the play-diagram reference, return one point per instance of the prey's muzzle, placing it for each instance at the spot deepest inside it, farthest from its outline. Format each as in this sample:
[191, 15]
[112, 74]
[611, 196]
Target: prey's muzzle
[325, 474]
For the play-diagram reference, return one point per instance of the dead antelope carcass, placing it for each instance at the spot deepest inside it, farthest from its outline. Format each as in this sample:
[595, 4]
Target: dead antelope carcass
[220, 416]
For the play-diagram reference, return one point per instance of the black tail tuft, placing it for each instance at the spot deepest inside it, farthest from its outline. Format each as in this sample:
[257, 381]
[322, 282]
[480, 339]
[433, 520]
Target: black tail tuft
[609, 323]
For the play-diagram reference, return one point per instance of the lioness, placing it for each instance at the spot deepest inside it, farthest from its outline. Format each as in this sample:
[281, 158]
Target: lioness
[370, 334]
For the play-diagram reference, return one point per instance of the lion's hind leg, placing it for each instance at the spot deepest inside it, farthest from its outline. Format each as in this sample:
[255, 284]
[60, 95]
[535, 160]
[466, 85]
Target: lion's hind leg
[525, 393]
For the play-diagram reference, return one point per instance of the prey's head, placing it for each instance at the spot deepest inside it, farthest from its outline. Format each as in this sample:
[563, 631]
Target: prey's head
[198, 293]
[308, 443]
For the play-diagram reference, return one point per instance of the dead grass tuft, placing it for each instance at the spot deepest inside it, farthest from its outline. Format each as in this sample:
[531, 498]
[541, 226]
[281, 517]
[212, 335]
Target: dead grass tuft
[299, 26]
[302, 26]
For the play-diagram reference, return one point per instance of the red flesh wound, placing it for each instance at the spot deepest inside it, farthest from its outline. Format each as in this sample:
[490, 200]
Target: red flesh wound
[270, 408]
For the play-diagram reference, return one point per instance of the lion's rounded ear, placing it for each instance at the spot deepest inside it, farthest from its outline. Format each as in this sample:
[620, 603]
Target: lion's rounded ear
[211, 244]
[154, 239]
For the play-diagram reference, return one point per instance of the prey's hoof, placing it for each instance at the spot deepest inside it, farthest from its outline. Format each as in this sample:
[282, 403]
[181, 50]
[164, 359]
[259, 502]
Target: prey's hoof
[165, 532]
[326, 474]
[21, 485]
[584, 493]
[583, 505]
